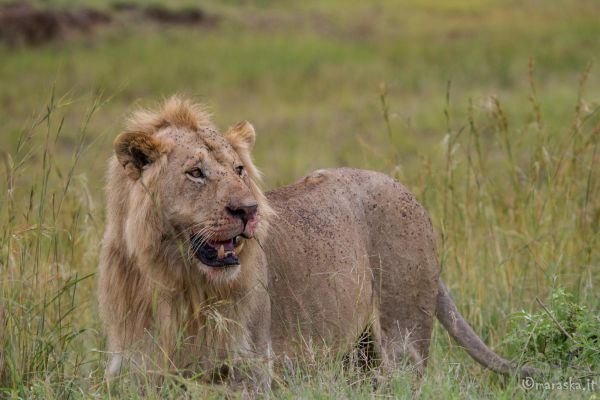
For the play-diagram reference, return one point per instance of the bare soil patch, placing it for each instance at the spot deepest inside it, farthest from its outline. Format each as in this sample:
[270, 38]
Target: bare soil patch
[190, 16]
[25, 24]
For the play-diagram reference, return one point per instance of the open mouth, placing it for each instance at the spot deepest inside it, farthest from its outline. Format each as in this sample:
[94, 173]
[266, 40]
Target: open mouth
[217, 254]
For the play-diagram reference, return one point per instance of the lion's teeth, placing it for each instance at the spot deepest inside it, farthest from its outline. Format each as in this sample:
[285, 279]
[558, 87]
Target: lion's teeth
[221, 252]
[239, 247]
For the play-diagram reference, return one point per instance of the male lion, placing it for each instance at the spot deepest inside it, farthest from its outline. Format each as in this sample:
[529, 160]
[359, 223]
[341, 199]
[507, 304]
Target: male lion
[199, 266]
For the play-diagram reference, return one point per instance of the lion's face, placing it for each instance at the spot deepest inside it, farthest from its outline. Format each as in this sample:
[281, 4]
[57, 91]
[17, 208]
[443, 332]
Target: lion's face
[203, 189]
[207, 197]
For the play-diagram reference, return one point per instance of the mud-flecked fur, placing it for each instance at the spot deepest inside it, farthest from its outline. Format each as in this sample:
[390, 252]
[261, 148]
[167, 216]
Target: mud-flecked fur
[337, 254]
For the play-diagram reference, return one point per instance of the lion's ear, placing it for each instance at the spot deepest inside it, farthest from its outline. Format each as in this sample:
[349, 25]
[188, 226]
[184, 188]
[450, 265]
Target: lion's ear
[242, 136]
[136, 150]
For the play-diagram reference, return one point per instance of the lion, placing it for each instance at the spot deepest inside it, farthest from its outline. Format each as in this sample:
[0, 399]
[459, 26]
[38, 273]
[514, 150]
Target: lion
[200, 269]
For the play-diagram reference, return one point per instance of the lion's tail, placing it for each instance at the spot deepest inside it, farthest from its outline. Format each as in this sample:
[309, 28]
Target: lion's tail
[462, 332]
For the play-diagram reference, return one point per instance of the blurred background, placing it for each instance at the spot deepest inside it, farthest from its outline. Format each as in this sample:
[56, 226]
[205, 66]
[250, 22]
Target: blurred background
[487, 110]
[307, 74]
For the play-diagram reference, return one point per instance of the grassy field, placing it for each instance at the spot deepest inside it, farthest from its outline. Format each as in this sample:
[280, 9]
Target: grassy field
[487, 110]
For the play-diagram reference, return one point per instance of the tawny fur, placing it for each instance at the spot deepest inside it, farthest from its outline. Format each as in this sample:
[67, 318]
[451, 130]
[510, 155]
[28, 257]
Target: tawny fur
[157, 306]
[337, 255]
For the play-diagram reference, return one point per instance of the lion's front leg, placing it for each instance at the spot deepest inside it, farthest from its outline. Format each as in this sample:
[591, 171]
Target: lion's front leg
[248, 369]
[260, 353]
[254, 371]
[250, 366]
[143, 346]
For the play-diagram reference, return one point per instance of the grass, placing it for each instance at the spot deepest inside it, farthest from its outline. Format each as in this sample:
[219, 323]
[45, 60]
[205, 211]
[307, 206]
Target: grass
[487, 110]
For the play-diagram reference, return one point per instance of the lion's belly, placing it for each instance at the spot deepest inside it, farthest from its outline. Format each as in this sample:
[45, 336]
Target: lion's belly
[320, 280]
[328, 302]
[349, 246]
[328, 305]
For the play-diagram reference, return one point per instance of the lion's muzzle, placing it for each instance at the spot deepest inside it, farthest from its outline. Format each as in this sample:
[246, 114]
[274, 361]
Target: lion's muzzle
[223, 253]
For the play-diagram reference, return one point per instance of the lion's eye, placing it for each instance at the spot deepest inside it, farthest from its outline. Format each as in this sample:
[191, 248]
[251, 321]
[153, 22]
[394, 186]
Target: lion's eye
[195, 174]
[239, 170]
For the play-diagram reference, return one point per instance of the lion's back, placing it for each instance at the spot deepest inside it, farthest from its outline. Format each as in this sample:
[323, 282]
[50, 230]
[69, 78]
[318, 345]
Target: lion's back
[329, 201]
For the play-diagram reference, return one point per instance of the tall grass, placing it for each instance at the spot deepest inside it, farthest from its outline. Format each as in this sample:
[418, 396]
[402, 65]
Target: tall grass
[49, 236]
[516, 204]
[517, 208]
[519, 198]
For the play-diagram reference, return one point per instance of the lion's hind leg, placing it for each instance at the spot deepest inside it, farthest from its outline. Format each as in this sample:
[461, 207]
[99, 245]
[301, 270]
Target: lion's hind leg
[367, 354]
[403, 350]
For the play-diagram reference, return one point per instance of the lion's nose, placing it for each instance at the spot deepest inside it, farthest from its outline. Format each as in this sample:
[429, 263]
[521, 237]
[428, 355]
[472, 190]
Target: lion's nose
[245, 212]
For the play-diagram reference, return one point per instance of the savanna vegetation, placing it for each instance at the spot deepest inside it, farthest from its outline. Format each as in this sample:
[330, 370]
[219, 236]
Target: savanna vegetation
[487, 110]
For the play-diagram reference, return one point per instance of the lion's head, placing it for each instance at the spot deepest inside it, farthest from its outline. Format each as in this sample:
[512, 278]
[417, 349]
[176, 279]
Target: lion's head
[191, 194]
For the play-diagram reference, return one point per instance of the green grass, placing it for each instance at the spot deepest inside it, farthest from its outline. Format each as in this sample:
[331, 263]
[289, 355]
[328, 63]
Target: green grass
[505, 158]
